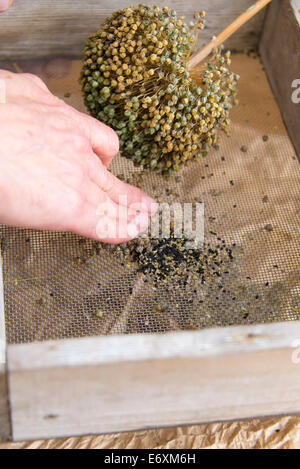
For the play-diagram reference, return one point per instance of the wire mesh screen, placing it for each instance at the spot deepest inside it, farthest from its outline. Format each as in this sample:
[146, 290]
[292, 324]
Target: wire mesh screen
[58, 285]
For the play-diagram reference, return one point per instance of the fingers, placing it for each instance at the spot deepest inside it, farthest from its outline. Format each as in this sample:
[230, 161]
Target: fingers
[118, 191]
[121, 193]
[110, 223]
[110, 219]
[103, 139]
[99, 217]
[5, 4]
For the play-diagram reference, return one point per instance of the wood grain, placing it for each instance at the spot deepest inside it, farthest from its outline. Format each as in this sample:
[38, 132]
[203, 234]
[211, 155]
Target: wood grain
[42, 28]
[227, 32]
[280, 51]
[121, 383]
[5, 429]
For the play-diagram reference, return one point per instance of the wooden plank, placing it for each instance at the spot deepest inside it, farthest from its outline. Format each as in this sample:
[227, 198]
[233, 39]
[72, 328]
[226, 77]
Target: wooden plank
[59, 28]
[121, 383]
[5, 430]
[280, 51]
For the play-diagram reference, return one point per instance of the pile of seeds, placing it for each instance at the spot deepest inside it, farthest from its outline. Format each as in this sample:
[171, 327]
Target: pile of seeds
[172, 260]
[135, 79]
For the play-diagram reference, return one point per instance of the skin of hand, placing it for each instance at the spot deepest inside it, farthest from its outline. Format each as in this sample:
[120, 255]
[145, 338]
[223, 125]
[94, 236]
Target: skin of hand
[4, 5]
[53, 168]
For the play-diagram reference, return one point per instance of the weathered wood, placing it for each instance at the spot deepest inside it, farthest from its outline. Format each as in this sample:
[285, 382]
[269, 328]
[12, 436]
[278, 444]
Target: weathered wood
[216, 41]
[5, 430]
[280, 51]
[59, 28]
[116, 383]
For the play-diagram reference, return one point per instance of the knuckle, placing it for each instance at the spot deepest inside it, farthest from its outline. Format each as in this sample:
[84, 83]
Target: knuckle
[55, 101]
[107, 181]
[44, 93]
[75, 203]
[35, 79]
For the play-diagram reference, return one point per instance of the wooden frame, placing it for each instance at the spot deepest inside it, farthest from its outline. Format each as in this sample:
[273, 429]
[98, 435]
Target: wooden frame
[282, 68]
[62, 28]
[5, 424]
[117, 383]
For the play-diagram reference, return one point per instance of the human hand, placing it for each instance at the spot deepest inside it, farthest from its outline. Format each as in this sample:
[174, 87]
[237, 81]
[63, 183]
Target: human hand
[4, 5]
[53, 168]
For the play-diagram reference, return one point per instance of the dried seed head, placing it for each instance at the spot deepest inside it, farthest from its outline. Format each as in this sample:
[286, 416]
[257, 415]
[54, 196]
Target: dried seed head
[140, 57]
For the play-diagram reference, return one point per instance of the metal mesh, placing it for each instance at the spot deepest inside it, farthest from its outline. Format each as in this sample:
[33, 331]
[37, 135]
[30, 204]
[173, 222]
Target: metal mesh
[55, 283]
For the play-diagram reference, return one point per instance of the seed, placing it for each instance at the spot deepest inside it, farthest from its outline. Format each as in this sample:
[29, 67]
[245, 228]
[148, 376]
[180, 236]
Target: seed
[172, 260]
[41, 301]
[216, 192]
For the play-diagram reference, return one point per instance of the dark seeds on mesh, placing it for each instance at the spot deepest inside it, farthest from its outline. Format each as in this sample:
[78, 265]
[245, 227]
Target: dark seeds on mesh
[135, 79]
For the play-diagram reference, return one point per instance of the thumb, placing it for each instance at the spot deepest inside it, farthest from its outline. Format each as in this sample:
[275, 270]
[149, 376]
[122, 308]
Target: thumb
[5, 4]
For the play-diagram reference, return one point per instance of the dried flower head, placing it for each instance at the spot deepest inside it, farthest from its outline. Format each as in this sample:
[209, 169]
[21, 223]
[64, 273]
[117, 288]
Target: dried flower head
[135, 79]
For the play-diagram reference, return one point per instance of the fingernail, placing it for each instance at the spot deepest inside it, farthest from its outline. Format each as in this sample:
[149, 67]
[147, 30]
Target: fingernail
[138, 225]
[132, 230]
[4, 4]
